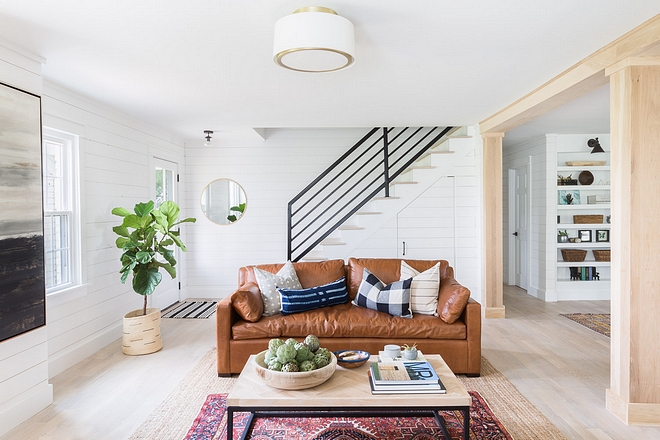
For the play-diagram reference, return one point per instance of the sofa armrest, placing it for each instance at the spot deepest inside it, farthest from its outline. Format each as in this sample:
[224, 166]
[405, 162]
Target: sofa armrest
[472, 318]
[225, 317]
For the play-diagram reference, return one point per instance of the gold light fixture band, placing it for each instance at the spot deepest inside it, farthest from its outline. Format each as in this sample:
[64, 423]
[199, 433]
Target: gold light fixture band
[314, 39]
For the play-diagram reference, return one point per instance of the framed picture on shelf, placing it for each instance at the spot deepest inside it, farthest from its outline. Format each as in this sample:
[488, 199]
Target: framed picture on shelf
[569, 197]
[584, 235]
[602, 235]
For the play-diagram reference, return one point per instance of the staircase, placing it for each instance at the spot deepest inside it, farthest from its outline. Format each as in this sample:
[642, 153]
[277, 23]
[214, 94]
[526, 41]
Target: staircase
[371, 183]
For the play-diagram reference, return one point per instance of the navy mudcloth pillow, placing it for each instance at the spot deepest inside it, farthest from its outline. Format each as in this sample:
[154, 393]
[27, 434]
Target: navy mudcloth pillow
[294, 301]
[393, 299]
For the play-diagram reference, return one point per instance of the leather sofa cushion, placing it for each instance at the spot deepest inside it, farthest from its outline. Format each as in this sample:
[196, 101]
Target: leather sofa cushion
[349, 321]
[310, 274]
[452, 300]
[248, 303]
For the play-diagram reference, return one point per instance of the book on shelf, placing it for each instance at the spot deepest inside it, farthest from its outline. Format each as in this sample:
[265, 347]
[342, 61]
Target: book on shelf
[419, 373]
[584, 273]
[406, 389]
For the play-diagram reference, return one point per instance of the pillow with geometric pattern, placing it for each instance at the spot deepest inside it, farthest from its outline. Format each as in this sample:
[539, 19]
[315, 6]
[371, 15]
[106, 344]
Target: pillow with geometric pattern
[393, 299]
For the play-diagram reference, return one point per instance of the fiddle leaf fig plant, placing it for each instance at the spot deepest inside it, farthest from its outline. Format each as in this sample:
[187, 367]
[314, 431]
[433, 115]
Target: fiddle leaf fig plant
[145, 236]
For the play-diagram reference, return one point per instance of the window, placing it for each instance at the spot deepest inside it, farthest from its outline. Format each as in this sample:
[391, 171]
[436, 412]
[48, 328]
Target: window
[61, 210]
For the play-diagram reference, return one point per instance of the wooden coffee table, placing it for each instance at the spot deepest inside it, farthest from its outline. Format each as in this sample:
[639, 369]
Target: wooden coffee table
[346, 393]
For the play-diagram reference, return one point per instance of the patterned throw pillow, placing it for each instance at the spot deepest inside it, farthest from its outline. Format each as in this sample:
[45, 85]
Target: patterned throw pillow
[294, 301]
[268, 284]
[393, 298]
[424, 288]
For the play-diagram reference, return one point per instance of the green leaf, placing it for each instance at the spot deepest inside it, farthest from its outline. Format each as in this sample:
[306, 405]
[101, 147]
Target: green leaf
[178, 242]
[121, 230]
[122, 241]
[144, 209]
[122, 212]
[171, 211]
[146, 221]
[186, 220]
[132, 221]
[168, 254]
[143, 257]
[146, 279]
[240, 208]
[167, 242]
[149, 239]
[168, 268]
[231, 218]
[161, 219]
[124, 276]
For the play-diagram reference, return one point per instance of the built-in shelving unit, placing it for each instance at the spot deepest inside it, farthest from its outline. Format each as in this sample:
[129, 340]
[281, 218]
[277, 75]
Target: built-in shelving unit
[576, 289]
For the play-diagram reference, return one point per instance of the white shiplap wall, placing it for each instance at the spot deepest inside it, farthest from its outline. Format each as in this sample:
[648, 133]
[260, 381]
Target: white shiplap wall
[115, 162]
[24, 388]
[271, 171]
[540, 266]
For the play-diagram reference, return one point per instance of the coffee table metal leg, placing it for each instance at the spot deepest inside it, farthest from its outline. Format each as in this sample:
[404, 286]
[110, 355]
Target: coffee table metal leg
[230, 423]
[442, 424]
[248, 426]
[466, 424]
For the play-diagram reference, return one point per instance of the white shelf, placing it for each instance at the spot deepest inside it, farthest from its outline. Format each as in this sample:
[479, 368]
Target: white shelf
[577, 168]
[586, 187]
[585, 244]
[592, 263]
[582, 226]
[585, 206]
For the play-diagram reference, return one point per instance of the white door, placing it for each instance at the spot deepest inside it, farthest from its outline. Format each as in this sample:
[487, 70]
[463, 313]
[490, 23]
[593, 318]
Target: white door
[164, 180]
[521, 227]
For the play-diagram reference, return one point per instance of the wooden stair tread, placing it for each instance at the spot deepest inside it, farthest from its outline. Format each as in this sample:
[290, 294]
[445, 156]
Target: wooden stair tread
[367, 213]
[350, 228]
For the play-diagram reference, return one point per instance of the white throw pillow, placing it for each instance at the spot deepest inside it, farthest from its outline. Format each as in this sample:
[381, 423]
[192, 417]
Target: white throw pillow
[268, 282]
[424, 289]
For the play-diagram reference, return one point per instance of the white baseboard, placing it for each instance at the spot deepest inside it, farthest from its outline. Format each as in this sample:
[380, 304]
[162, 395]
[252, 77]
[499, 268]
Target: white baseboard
[19, 409]
[67, 358]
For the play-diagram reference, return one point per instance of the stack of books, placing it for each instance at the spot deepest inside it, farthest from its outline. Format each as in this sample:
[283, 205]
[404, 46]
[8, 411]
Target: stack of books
[407, 377]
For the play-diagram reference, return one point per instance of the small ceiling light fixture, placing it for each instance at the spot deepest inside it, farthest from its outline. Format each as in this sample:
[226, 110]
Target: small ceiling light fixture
[208, 138]
[314, 39]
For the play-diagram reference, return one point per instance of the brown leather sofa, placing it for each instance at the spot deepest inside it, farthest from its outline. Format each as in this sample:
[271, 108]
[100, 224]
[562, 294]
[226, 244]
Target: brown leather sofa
[242, 331]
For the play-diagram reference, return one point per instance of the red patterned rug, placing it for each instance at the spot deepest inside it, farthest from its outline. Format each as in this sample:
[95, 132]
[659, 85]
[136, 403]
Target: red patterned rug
[211, 424]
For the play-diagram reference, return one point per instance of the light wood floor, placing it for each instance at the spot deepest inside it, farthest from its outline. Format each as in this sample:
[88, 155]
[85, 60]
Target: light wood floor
[560, 366]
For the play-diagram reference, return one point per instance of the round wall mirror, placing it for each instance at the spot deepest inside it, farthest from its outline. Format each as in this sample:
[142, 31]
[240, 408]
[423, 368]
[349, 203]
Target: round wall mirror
[223, 201]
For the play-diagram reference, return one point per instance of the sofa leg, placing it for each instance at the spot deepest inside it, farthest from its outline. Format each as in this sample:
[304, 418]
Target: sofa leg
[473, 375]
[224, 374]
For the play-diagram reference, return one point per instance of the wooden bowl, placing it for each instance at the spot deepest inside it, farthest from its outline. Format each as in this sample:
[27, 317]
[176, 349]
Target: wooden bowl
[293, 381]
[362, 357]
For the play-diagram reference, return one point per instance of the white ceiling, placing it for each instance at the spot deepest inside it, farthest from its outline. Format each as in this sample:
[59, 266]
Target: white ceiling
[192, 65]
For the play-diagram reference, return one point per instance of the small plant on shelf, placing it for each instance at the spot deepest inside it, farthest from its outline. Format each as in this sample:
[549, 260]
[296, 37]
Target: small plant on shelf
[410, 351]
[562, 236]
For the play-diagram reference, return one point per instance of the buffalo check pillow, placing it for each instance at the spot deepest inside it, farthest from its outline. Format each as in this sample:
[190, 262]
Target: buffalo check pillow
[375, 295]
[268, 283]
[424, 288]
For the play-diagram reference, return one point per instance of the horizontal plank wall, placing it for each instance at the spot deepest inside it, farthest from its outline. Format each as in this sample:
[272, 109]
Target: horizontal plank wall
[115, 160]
[271, 171]
[24, 388]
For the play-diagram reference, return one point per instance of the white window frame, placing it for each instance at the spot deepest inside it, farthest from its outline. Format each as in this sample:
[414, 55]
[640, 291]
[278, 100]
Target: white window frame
[75, 287]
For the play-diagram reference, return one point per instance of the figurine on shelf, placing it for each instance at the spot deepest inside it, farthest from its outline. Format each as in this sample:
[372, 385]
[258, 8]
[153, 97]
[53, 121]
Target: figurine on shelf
[594, 144]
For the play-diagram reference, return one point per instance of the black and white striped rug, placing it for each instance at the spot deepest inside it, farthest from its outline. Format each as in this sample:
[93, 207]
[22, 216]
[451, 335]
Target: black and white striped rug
[190, 309]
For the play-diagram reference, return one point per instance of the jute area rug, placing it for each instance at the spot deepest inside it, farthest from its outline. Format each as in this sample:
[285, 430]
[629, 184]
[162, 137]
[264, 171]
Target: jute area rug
[598, 322]
[173, 418]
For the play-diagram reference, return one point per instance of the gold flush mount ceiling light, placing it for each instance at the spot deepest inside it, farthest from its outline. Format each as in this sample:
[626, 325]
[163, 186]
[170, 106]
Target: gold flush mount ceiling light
[314, 39]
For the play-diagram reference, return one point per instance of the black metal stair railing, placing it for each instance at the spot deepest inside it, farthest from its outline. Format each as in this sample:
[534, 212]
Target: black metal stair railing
[354, 179]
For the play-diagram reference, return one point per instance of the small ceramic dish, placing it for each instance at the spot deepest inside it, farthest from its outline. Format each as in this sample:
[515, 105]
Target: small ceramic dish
[351, 358]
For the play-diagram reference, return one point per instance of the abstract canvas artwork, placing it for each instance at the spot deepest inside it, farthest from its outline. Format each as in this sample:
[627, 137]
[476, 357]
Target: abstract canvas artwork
[22, 287]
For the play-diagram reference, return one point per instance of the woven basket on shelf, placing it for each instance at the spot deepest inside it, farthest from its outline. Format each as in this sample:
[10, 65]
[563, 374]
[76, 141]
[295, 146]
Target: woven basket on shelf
[601, 255]
[572, 255]
[588, 218]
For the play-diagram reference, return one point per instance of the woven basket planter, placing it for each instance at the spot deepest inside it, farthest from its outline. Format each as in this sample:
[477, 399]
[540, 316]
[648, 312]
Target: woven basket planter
[573, 255]
[602, 255]
[141, 333]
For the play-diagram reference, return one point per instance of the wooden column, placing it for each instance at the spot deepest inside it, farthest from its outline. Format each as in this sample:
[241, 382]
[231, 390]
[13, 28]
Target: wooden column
[493, 240]
[634, 393]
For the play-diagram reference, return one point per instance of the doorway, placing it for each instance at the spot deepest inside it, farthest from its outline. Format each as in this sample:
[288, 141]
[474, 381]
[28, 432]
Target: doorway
[164, 187]
[519, 226]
